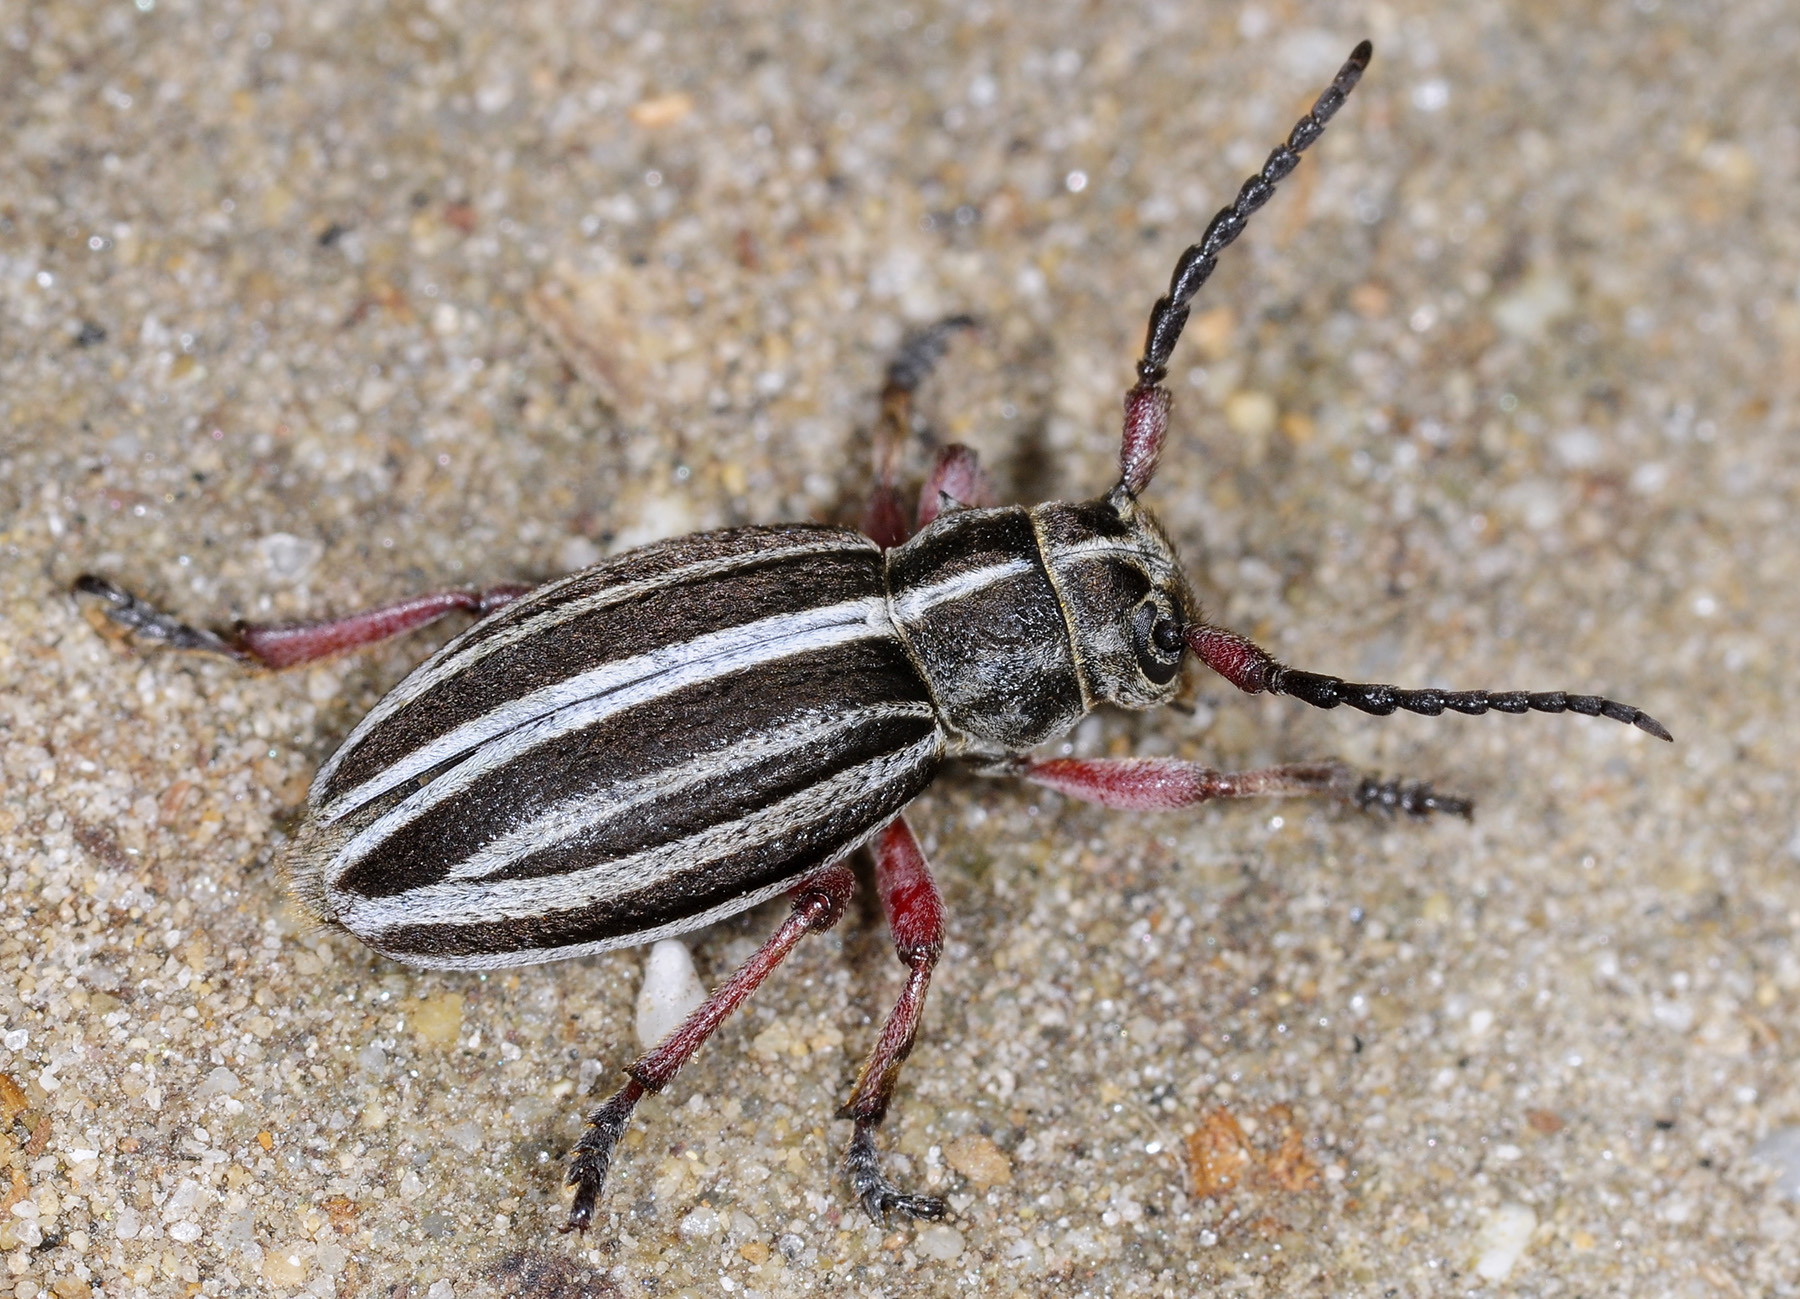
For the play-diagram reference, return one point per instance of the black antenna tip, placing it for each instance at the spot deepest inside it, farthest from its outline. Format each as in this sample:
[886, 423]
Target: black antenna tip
[1361, 55]
[1645, 722]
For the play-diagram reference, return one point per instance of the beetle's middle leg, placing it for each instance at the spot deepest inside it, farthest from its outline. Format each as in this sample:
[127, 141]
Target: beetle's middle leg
[915, 916]
[1164, 784]
[819, 902]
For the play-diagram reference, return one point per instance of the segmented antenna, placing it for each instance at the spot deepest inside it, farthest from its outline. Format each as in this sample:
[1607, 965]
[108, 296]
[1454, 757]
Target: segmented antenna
[1170, 314]
[1252, 669]
[1328, 692]
[1147, 404]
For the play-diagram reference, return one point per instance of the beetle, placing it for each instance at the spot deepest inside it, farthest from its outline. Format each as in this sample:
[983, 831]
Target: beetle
[686, 730]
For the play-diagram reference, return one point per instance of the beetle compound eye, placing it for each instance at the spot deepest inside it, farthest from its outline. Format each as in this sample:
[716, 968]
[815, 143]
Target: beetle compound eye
[1157, 639]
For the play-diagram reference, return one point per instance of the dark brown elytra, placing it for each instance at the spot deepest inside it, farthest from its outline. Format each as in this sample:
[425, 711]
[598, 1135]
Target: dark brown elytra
[1158, 625]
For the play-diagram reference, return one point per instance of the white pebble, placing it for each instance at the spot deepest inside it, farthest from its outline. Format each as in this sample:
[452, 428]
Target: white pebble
[287, 557]
[670, 992]
[702, 1222]
[1503, 1239]
[939, 1242]
[1780, 1150]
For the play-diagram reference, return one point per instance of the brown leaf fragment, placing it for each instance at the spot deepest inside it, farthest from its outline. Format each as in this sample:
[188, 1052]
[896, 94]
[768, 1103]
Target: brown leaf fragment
[342, 1211]
[1290, 1167]
[13, 1100]
[14, 1193]
[1218, 1153]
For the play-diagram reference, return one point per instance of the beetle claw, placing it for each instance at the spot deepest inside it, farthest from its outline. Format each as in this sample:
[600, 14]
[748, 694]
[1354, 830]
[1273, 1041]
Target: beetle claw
[593, 1154]
[143, 619]
[878, 1195]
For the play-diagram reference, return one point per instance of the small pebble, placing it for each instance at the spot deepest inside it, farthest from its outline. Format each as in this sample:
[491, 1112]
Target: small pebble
[1540, 302]
[702, 1222]
[1503, 1240]
[1780, 1150]
[1250, 414]
[939, 1242]
[439, 1019]
[670, 992]
[981, 1161]
[283, 1269]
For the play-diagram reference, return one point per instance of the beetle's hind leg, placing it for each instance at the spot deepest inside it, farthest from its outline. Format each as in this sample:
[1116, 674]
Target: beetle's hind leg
[915, 916]
[819, 902]
[286, 645]
[884, 518]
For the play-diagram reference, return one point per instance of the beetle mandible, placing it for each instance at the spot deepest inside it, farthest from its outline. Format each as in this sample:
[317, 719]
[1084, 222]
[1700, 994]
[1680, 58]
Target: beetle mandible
[688, 729]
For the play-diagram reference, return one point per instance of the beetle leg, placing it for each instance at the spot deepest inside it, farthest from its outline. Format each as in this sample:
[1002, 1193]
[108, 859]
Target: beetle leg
[884, 518]
[915, 916]
[1252, 669]
[286, 645]
[819, 901]
[957, 480]
[1162, 784]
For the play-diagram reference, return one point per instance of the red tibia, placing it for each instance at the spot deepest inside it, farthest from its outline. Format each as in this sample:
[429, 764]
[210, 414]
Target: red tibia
[959, 476]
[1162, 784]
[884, 518]
[1240, 661]
[291, 644]
[819, 900]
[1146, 424]
[915, 916]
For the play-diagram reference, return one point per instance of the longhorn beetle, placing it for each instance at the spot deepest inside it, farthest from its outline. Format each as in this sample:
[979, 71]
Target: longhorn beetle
[683, 731]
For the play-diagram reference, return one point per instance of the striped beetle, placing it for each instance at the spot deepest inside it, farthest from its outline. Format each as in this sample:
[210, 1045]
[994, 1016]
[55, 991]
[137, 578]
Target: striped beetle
[683, 731]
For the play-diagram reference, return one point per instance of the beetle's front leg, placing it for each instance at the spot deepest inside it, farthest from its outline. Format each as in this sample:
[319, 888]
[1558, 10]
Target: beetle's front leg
[286, 645]
[915, 916]
[819, 902]
[1163, 784]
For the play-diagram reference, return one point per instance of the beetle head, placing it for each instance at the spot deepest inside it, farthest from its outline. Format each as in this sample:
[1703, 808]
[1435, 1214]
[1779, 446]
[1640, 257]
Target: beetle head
[1126, 596]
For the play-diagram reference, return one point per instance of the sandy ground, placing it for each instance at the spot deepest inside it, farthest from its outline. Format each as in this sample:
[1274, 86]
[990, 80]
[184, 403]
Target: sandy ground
[304, 307]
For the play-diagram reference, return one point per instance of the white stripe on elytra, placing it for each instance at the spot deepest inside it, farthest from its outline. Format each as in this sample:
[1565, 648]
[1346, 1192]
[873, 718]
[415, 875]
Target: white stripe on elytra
[581, 813]
[479, 902]
[460, 654]
[683, 925]
[909, 605]
[585, 698]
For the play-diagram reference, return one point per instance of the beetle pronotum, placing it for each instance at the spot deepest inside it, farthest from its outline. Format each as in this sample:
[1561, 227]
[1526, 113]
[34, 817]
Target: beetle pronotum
[686, 730]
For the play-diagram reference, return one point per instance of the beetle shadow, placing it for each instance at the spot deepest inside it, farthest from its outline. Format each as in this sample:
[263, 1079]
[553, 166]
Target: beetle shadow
[539, 1273]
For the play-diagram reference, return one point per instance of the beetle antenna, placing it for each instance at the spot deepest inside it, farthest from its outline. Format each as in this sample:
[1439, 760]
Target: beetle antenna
[1147, 404]
[1253, 670]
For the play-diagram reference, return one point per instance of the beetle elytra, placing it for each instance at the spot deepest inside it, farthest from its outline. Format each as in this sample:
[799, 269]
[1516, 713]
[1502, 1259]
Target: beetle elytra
[688, 729]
